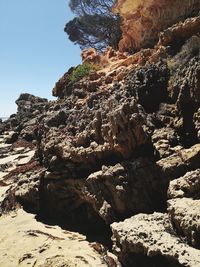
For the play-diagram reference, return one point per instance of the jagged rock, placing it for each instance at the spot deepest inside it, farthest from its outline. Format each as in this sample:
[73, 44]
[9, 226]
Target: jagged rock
[165, 141]
[27, 190]
[180, 162]
[27, 102]
[105, 127]
[28, 132]
[184, 206]
[62, 87]
[129, 191]
[11, 137]
[180, 32]
[144, 20]
[24, 123]
[108, 68]
[149, 85]
[149, 240]
[82, 133]
[168, 116]
[112, 143]
[56, 119]
[197, 123]
[90, 55]
[104, 59]
[112, 193]
[186, 186]
[185, 217]
[185, 67]
[184, 88]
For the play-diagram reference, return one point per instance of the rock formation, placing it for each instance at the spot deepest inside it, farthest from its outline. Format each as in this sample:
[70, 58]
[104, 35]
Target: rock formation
[144, 20]
[24, 123]
[119, 148]
[25, 240]
[150, 240]
[169, 239]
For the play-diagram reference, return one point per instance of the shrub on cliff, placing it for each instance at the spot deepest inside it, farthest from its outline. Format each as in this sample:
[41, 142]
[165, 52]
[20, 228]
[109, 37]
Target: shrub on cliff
[81, 71]
[94, 25]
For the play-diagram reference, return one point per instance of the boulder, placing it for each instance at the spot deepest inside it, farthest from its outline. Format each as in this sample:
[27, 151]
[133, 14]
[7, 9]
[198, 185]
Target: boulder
[185, 217]
[149, 240]
[187, 186]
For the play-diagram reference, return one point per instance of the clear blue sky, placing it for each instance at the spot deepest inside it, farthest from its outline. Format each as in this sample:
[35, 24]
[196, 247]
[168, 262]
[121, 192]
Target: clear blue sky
[34, 49]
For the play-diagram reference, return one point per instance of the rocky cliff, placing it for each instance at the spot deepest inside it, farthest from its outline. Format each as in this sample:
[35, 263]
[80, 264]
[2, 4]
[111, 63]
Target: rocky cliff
[142, 20]
[117, 154]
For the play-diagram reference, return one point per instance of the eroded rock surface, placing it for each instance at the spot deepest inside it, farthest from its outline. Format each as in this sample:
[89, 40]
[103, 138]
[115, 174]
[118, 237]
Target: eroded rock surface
[144, 20]
[186, 186]
[112, 193]
[149, 240]
[24, 241]
[180, 31]
[184, 214]
[197, 123]
[116, 144]
[23, 124]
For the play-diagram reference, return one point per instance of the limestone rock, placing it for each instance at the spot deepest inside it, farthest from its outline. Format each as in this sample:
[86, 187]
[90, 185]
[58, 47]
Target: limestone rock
[144, 20]
[149, 85]
[165, 141]
[184, 214]
[186, 186]
[197, 122]
[90, 56]
[24, 123]
[106, 126]
[61, 87]
[181, 162]
[112, 193]
[168, 116]
[109, 67]
[121, 141]
[180, 31]
[182, 88]
[27, 190]
[26, 102]
[149, 240]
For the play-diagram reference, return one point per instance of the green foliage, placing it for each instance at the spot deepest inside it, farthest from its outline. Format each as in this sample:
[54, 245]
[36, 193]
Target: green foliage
[81, 71]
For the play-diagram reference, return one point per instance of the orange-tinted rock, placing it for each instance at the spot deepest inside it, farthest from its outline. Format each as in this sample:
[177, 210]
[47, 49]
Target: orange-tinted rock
[90, 55]
[110, 66]
[180, 31]
[104, 59]
[143, 20]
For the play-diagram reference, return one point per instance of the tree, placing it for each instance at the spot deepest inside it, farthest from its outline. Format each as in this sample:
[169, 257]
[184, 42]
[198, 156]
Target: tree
[94, 25]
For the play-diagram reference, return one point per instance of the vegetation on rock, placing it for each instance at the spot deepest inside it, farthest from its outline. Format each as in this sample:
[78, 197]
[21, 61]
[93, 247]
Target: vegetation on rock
[81, 71]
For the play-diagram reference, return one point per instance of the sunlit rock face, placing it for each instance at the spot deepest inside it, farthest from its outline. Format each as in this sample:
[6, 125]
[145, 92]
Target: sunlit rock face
[144, 19]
